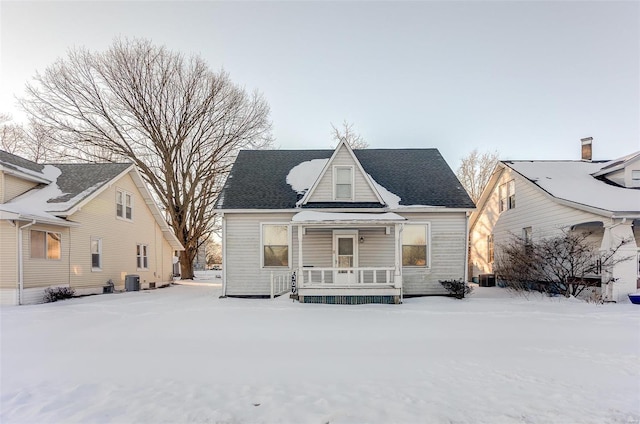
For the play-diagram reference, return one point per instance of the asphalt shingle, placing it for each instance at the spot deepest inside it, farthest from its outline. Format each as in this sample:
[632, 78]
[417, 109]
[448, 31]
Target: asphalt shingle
[418, 176]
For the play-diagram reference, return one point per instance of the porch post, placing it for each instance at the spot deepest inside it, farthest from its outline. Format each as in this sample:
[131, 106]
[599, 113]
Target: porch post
[623, 273]
[300, 262]
[397, 275]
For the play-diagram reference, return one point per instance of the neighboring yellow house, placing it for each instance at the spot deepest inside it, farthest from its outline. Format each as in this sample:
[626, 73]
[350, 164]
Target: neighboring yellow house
[78, 226]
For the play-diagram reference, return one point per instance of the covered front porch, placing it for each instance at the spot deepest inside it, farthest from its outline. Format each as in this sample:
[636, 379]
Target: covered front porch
[348, 257]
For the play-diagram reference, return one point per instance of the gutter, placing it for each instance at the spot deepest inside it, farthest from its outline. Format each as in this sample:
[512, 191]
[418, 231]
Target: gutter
[20, 261]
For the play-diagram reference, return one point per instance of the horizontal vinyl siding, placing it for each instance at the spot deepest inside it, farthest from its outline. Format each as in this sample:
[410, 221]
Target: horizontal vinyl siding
[533, 209]
[447, 252]
[244, 275]
[45, 272]
[8, 257]
[2, 187]
[119, 240]
[14, 187]
[324, 190]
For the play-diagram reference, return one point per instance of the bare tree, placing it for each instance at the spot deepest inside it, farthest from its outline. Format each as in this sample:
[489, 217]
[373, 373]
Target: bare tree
[566, 264]
[475, 170]
[31, 141]
[180, 123]
[348, 134]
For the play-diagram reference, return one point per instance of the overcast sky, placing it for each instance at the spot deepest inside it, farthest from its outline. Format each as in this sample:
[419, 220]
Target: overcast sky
[528, 79]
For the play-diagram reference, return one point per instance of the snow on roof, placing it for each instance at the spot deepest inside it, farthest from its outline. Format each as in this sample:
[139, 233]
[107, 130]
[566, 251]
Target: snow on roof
[302, 176]
[312, 216]
[33, 204]
[572, 181]
[616, 164]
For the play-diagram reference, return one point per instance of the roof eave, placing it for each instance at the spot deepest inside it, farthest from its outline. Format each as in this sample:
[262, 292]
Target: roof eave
[24, 175]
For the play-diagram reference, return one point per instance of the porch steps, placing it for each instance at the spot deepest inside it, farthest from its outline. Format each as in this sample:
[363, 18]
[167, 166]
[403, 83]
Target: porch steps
[350, 300]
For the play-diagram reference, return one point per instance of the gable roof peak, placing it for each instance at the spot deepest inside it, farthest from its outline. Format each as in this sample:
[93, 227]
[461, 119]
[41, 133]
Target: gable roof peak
[341, 144]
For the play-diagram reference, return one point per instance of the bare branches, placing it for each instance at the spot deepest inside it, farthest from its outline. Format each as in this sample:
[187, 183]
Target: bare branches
[566, 264]
[349, 135]
[178, 122]
[475, 170]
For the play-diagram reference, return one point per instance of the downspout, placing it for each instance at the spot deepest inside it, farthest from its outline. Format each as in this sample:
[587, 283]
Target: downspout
[466, 248]
[224, 256]
[20, 261]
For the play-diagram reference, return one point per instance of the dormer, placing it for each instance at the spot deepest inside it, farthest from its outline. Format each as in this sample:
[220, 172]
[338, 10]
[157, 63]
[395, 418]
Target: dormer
[18, 175]
[342, 182]
[624, 172]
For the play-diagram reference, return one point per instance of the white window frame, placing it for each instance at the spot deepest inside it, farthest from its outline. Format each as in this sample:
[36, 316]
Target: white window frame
[99, 253]
[335, 183]
[527, 235]
[507, 196]
[124, 204]
[140, 258]
[289, 245]
[428, 246]
[46, 245]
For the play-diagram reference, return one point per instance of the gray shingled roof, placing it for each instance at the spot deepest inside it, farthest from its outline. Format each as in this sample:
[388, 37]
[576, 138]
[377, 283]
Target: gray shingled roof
[15, 162]
[77, 178]
[418, 176]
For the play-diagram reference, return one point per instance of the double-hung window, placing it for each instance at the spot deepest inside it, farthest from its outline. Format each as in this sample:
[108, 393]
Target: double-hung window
[124, 205]
[507, 196]
[142, 258]
[415, 246]
[343, 178]
[45, 245]
[96, 254]
[275, 245]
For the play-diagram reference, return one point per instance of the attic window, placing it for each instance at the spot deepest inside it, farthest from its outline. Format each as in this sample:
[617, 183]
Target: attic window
[124, 205]
[343, 178]
[507, 193]
[635, 178]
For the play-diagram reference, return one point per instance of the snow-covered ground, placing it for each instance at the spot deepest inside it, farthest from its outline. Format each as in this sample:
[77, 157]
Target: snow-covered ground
[181, 355]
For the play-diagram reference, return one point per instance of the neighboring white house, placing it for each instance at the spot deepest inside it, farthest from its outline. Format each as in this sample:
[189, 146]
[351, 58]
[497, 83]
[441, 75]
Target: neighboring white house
[78, 226]
[542, 198]
[359, 226]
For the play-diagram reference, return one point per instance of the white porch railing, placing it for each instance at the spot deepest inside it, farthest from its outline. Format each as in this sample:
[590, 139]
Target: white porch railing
[347, 277]
[280, 283]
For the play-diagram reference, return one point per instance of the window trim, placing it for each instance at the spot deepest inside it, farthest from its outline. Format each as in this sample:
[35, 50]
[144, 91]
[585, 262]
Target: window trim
[125, 193]
[289, 245]
[99, 240]
[335, 183]
[507, 196]
[46, 245]
[146, 256]
[427, 224]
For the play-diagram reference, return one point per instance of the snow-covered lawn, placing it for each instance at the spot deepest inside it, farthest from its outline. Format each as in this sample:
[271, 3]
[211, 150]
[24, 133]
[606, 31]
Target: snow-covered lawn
[182, 355]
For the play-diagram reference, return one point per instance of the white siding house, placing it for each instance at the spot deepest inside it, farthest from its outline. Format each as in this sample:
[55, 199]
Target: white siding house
[78, 226]
[543, 198]
[351, 226]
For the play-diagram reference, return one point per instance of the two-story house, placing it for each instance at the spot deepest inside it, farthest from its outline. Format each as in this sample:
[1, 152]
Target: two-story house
[78, 226]
[537, 198]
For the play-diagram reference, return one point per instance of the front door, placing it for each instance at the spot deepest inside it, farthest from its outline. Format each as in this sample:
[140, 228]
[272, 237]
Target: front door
[345, 256]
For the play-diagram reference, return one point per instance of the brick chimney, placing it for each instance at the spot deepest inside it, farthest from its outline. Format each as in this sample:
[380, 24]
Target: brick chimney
[586, 148]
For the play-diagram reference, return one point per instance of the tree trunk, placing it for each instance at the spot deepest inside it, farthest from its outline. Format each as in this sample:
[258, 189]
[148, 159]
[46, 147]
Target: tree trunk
[186, 264]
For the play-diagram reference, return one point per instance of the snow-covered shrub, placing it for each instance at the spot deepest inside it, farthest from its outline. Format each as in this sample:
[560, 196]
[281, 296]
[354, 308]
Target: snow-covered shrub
[53, 294]
[457, 288]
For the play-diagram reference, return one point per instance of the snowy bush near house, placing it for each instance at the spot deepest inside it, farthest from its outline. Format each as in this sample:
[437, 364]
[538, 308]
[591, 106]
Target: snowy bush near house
[457, 288]
[53, 294]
